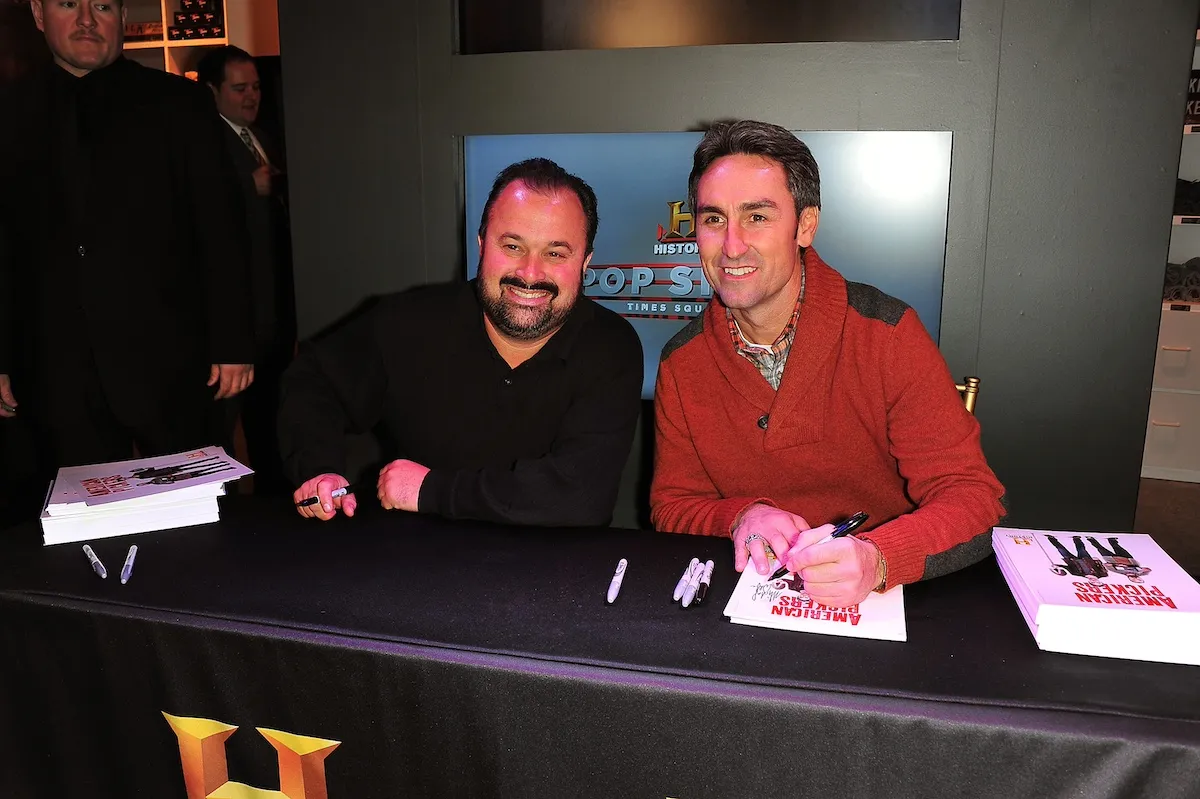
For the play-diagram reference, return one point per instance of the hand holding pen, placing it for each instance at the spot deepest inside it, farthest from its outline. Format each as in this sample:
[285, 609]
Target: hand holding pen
[321, 497]
[834, 531]
[839, 569]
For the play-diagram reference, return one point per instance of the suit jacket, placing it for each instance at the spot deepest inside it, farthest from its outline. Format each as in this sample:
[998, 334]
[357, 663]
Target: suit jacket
[270, 245]
[128, 247]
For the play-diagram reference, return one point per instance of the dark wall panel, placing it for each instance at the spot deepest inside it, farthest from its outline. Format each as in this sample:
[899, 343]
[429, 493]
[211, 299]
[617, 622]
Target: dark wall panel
[354, 153]
[1090, 118]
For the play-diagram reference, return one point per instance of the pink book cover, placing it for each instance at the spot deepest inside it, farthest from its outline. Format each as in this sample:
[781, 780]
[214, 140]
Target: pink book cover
[199, 472]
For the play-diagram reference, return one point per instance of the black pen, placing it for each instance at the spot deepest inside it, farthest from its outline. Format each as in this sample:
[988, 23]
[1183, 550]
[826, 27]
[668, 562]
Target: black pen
[842, 530]
[337, 492]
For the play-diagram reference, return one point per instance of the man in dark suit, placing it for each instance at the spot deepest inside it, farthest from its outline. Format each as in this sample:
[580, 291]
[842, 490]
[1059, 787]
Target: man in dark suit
[124, 307]
[232, 76]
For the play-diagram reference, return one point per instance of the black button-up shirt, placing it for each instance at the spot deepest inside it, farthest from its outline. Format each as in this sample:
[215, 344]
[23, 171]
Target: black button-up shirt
[541, 444]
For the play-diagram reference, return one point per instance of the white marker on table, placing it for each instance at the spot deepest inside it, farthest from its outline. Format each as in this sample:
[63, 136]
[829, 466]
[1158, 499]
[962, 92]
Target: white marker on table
[683, 581]
[614, 587]
[97, 566]
[127, 569]
[689, 593]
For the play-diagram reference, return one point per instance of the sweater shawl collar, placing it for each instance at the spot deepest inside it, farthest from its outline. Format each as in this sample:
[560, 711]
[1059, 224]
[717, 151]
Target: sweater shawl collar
[796, 412]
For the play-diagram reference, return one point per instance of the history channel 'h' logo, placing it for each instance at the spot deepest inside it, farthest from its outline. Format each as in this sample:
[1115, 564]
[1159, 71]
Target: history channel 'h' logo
[680, 237]
[206, 775]
[679, 218]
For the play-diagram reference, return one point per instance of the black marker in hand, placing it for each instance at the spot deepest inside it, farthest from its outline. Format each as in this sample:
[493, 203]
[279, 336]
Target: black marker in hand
[842, 530]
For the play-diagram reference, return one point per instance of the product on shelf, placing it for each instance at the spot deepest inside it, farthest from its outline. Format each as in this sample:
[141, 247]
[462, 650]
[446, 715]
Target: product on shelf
[1182, 283]
[192, 19]
[143, 31]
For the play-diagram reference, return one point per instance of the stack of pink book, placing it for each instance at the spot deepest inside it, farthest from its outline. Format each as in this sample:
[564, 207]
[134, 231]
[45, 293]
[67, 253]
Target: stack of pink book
[137, 496]
[1107, 594]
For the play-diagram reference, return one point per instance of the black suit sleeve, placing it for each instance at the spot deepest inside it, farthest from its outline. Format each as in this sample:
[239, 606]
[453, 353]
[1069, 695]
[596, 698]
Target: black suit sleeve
[575, 484]
[335, 386]
[8, 274]
[220, 224]
[7, 282]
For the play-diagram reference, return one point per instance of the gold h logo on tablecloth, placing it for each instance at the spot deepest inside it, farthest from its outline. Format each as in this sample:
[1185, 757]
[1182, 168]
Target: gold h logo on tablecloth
[206, 775]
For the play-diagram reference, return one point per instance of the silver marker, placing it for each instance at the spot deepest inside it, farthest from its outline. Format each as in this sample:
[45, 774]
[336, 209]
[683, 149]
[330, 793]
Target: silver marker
[614, 587]
[689, 593]
[127, 569]
[97, 566]
[683, 581]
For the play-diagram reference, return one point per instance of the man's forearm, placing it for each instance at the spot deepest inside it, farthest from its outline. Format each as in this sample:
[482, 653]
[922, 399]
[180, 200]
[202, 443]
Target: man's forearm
[678, 512]
[574, 485]
[515, 497]
[940, 537]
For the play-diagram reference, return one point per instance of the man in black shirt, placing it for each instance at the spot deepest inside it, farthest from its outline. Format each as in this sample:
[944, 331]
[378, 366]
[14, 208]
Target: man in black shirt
[124, 309]
[511, 398]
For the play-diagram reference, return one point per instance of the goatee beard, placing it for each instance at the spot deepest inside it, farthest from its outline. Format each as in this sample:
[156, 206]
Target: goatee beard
[519, 322]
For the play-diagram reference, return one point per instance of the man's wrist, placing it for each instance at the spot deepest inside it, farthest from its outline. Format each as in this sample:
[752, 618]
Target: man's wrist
[741, 515]
[737, 520]
[880, 567]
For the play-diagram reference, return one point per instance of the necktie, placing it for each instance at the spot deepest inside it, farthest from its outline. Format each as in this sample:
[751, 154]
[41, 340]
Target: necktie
[249, 142]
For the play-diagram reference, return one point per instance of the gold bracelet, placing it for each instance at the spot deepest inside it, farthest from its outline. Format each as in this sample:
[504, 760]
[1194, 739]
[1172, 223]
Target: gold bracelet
[883, 561]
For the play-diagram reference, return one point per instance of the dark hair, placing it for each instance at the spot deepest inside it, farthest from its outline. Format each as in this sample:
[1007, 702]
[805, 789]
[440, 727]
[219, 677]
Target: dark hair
[747, 137]
[543, 175]
[211, 69]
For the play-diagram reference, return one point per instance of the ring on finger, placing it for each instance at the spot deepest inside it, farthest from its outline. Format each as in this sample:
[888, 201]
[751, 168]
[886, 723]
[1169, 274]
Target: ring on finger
[754, 537]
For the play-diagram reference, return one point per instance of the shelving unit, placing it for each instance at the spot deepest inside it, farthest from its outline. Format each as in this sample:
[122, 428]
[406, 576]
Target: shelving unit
[1172, 447]
[177, 56]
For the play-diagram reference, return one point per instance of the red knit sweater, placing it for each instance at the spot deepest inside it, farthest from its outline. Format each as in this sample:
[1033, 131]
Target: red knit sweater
[866, 418]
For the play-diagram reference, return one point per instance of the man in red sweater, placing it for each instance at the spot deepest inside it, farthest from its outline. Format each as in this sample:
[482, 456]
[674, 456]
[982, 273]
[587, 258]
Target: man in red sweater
[799, 397]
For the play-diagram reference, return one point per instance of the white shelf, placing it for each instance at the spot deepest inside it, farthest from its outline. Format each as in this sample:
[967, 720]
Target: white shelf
[1190, 129]
[208, 43]
[175, 54]
[1185, 220]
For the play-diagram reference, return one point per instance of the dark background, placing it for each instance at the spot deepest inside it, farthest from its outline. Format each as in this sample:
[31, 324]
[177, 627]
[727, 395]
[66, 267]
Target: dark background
[21, 44]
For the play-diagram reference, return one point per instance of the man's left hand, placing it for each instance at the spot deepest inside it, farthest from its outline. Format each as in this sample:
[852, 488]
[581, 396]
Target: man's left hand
[233, 377]
[262, 180]
[838, 573]
[400, 485]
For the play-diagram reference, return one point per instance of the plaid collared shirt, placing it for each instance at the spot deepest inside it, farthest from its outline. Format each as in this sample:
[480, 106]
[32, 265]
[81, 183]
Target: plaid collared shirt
[768, 360]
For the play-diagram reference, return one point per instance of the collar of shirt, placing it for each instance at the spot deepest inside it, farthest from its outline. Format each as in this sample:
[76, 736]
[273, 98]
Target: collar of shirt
[769, 360]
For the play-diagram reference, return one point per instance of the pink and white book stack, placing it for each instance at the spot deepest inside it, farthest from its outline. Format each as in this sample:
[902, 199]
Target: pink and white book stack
[1106, 594]
[137, 496]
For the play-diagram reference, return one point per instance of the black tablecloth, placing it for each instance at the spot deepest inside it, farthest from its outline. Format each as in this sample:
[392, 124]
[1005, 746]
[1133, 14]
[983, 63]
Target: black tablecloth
[405, 588]
[541, 593]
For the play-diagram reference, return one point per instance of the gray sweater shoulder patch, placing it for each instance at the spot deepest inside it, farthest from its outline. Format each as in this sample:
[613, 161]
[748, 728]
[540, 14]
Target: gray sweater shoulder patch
[871, 303]
[693, 329]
